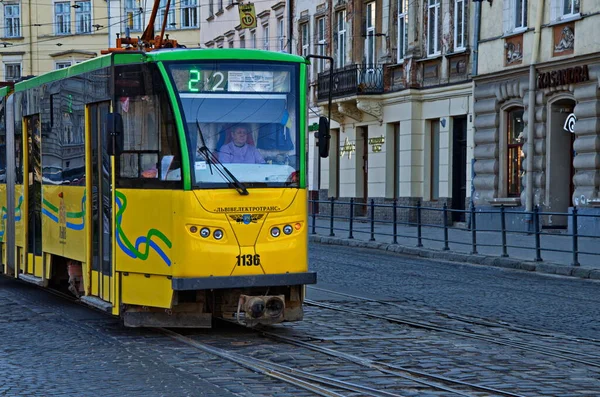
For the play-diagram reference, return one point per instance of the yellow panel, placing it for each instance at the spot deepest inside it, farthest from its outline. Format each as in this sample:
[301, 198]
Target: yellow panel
[108, 292]
[144, 230]
[159, 232]
[204, 257]
[38, 269]
[139, 289]
[63, 221]
[20, 212]
[94, 283]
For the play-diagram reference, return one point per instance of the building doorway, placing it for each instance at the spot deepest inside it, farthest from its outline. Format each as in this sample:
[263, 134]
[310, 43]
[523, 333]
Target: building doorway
[362, 171]
[459, 167]
[559, 161]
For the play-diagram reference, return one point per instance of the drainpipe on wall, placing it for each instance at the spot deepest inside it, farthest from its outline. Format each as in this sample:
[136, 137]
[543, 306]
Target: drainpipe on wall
[531, 108]
[30, 43]
[290, 25]
[476, 38]
[476, 32]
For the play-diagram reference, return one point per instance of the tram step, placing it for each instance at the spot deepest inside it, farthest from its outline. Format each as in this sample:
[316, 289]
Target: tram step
[33, 279]
[97, 303]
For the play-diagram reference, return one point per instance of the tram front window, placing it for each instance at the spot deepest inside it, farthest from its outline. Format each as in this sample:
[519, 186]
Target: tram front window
[245, 114]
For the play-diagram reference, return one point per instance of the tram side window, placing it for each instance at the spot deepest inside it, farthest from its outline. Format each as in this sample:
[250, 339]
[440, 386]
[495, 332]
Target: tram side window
[150, 144]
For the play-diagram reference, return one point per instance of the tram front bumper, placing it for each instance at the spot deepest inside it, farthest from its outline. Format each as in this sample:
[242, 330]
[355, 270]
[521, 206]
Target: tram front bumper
[226, 282]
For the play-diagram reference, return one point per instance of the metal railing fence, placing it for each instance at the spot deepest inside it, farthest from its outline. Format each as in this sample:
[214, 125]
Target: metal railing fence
[340, 216]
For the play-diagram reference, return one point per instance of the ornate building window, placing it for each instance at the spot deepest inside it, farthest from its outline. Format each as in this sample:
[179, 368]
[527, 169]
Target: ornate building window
[189, 13]
[433, 27]
[402, 29]
[62, 17]
[514, 152]
[83, 17]
[12, 20]
[459, 25]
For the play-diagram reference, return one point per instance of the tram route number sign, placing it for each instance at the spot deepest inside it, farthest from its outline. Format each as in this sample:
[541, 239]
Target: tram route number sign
[247, 16]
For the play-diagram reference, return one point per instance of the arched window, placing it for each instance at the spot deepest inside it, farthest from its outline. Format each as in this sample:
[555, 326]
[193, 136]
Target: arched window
[514, 151]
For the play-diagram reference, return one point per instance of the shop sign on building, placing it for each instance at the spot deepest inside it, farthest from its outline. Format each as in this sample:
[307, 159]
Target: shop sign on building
[555, 78]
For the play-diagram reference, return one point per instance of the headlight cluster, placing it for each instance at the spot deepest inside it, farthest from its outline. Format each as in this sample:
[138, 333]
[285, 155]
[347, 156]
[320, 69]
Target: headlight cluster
[287, 229]
[206, 232]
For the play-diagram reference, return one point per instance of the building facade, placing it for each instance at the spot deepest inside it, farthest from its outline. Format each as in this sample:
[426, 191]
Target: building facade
[402, 99]
[38, 37]
[221, 26]
[537, 109]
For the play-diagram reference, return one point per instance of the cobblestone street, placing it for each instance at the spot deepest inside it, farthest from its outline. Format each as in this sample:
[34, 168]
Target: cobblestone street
[478, 328]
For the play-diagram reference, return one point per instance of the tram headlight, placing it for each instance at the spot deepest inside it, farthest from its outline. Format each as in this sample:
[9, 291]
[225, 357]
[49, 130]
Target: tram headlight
[218, 234]
[193, 229]
[288, 229]
[275, 232]
[205, 232]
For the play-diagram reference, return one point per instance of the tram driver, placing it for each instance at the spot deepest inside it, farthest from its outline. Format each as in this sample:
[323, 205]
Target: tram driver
[239, 150]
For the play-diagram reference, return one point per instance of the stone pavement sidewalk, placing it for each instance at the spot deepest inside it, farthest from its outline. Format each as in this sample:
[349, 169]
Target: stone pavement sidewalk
[556, 249]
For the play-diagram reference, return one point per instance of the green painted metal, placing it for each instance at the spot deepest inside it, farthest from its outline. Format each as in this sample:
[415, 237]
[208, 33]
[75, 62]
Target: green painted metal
[185, 158]
[181, 54]
[84, 67]
[4, 91]
[302, 117]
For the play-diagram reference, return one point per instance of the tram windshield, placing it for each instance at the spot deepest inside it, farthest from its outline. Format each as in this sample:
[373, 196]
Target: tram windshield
[246, 115]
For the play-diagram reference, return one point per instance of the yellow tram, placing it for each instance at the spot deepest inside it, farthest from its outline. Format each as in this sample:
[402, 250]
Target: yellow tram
[165, 187]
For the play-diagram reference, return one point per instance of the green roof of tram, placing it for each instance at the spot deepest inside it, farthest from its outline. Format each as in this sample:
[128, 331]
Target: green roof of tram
[176, 54]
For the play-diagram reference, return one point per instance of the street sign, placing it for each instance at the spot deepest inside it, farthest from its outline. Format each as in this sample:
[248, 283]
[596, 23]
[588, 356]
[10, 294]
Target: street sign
[247, 16]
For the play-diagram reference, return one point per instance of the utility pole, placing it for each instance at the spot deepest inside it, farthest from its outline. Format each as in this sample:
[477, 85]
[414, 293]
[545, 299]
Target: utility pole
[290, 8]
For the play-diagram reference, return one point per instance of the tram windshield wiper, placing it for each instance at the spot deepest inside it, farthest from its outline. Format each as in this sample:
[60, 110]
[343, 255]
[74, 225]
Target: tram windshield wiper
[224, 171]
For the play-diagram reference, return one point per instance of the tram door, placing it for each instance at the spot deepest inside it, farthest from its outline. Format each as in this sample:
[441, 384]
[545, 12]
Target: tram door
[101, 189]
[33, 180]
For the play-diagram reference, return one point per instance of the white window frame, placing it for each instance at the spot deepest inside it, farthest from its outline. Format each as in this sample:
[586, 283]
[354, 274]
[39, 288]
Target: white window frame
[558, 10]
[371, 11]
[253, 38]
[189, 14]
[242, 41]
[459, 42]
[62, 19]
[402, 30]
[321, 43]
[136, 16]
[12, 64]
[305, 35]
[433, 10]
[160, 15]
[12, 20]
[281, 33]
[62, 64]
[520, 14]
[340, 18]
[266, 37]
[83, 17]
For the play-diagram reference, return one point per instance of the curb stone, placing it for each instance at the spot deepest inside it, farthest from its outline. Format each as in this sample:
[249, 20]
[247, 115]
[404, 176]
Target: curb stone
[476, 259]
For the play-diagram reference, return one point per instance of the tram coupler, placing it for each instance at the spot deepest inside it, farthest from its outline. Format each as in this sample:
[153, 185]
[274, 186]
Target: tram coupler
[263, 309]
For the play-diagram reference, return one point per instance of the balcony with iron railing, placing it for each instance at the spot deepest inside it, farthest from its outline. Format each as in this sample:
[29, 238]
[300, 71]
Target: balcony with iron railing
[352, 80]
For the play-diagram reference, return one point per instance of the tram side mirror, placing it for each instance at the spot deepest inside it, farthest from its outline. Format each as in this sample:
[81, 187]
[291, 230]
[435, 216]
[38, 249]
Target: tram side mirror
[323, 136]
[114, 136]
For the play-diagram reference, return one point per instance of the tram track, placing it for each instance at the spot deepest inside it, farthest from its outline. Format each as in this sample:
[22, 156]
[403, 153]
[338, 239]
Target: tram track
[327, 385]
[564, 354]
[293, 375]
